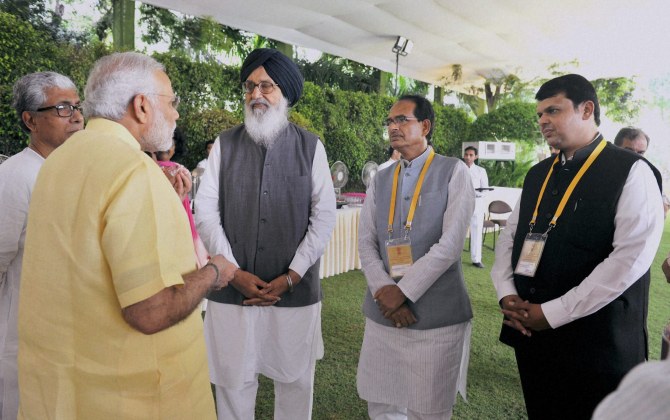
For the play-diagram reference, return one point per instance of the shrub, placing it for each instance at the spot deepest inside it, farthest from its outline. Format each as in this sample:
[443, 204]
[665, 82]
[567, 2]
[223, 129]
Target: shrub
[199, 127]
[513, 121]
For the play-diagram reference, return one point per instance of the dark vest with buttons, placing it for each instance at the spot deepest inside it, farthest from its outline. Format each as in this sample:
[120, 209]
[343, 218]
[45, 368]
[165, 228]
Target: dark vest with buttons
[446, 301]
[265, 203]
[613, 339]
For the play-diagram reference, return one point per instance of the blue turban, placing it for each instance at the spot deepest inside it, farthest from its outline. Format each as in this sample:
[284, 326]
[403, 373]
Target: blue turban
[279, 67]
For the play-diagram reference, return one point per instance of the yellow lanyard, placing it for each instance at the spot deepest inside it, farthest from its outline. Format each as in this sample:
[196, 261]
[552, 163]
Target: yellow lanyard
[561, 206]
[415, 198]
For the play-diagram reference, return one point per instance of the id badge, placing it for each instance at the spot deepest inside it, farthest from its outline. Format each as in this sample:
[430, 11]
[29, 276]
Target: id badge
[399, 252]
[531, 252]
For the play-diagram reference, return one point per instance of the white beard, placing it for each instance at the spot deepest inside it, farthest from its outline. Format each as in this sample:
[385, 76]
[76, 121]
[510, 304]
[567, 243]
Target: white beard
[264, 124]
[159, 136]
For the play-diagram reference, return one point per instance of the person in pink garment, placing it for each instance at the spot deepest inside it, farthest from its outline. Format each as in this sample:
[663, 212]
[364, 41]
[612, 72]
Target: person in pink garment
[173, 170]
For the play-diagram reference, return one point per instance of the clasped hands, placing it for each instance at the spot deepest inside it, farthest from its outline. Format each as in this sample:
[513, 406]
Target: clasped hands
[522, 315]
[391, 302]
[259, 292]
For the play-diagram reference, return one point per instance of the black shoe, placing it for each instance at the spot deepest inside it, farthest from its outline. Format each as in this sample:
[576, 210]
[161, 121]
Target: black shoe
[478, 265]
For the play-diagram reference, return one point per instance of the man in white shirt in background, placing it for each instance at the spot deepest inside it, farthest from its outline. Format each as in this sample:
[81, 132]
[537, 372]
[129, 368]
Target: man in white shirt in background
[48, 110]
[479, 180]
[572, 267]
[268, 205]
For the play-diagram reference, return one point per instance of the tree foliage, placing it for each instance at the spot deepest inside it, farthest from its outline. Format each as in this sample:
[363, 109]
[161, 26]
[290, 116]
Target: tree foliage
[340, 73]
[341, 108]
[616, 97]
[25, 48]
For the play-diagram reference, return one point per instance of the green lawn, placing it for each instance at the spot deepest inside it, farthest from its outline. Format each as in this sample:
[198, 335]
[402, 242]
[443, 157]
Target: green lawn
[494, 391]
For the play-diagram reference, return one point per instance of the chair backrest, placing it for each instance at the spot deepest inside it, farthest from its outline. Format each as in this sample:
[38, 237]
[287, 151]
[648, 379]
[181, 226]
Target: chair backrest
[499, 207]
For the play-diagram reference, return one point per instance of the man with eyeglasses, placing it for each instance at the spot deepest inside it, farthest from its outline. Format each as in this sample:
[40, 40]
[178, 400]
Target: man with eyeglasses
[266, 202]
[48, 110]
[415, 351]
[107, 327]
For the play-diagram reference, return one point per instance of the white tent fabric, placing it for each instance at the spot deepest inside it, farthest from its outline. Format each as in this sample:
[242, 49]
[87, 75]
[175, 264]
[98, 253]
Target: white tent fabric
[608, 38]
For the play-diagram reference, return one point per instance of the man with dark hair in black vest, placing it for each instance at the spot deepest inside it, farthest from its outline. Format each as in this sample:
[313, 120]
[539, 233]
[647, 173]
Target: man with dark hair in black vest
[572, 266]
[267, 202]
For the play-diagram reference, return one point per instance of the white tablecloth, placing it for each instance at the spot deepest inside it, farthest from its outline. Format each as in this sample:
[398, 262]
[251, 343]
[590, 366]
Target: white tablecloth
[341, 254]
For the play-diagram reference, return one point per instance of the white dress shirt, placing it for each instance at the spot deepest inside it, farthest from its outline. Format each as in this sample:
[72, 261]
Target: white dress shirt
[479, 178]
[638, 229]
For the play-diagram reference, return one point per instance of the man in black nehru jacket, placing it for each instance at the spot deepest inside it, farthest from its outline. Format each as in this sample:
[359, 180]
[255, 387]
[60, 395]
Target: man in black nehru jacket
[572, 266]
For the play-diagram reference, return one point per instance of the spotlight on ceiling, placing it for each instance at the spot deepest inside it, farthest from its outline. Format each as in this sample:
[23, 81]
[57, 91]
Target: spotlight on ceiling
[403, 46]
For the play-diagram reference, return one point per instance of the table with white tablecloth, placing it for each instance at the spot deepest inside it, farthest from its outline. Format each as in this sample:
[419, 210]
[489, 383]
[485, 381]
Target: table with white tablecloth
[341, 253]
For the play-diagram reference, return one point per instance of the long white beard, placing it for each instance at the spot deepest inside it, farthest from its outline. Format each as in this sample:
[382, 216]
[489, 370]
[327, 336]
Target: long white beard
[159, 137]
[264, 124]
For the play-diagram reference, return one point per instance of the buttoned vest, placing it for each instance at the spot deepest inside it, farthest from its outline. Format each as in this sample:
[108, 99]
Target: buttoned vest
[615, 335]
[446, 302]
[265, 203]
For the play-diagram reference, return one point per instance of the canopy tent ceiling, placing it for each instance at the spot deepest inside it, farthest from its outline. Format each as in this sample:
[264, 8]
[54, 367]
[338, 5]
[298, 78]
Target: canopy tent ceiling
[486, 37]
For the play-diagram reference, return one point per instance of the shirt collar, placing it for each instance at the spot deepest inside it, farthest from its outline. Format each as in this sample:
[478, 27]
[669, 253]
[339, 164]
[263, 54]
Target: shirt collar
[417, 161]
[113, 128]
[584, 152]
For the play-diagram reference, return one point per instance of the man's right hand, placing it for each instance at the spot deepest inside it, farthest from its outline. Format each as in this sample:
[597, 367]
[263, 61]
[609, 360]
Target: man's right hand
[250, 286]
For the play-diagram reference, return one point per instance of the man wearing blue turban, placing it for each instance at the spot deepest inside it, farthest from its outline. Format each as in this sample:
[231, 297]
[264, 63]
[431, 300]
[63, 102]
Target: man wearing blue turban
[266, 201]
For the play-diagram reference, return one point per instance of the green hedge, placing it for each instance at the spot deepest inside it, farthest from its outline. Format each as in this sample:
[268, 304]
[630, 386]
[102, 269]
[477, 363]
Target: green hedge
[511, 121]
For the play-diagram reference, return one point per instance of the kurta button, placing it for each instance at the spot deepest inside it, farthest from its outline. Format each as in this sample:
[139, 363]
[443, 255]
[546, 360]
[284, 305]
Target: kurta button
[265, 193]
[554, 192]
[532, 290]
[261, 249]
[406, 198]
[262, 220]
[406, 173]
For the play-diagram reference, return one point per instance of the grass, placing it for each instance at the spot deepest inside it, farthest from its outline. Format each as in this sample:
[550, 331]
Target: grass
[494, 390]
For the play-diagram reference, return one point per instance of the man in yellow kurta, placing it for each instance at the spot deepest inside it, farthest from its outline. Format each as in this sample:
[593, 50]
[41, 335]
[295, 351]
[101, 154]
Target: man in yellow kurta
[106, 322]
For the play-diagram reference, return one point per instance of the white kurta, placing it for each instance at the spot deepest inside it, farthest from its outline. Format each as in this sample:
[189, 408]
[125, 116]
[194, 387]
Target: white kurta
[17, 178]
[422, 372]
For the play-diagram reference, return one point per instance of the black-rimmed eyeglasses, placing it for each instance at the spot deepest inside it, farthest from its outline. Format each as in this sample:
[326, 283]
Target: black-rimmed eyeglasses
[265, 87]
[63, 110]
[399, 120]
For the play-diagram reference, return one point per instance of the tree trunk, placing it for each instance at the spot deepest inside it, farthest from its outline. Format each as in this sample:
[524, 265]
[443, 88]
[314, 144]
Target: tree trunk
[438, 96]
[491, 98]
[123, 24]
[384, 82]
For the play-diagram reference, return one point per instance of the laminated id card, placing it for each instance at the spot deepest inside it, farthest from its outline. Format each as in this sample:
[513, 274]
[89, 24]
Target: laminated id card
[399, 252]
[531, 252]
